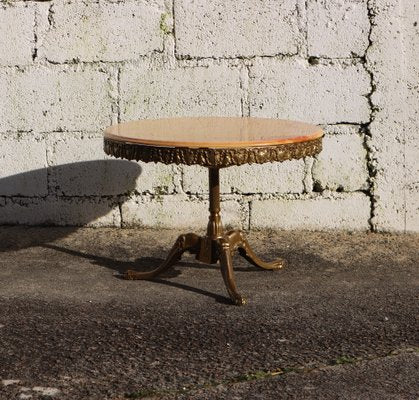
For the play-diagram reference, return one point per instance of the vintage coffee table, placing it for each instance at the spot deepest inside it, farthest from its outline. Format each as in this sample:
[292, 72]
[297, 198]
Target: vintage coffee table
[213, 142]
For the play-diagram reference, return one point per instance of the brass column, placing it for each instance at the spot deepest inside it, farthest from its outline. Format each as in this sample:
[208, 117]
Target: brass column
[215, 227]
[208, 251]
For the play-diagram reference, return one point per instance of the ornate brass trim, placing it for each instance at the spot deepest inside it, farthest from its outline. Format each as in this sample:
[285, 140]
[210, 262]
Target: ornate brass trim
[212, 157]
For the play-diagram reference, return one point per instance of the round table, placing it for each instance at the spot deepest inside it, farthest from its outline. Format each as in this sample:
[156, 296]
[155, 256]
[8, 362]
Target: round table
[213, 142]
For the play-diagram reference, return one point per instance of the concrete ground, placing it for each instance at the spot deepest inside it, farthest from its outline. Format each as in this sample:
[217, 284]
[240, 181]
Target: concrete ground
[340, 322]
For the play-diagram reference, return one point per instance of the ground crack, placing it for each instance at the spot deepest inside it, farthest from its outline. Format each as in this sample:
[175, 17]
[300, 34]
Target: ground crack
[261, 375]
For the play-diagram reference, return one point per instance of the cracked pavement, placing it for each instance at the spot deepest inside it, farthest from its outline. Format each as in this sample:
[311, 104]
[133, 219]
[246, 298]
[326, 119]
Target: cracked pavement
[340, 321]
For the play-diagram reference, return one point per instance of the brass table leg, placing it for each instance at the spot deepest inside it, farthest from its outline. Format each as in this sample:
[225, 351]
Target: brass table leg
[215, 246]
[226, 265]
[188, 242]
[238, 241]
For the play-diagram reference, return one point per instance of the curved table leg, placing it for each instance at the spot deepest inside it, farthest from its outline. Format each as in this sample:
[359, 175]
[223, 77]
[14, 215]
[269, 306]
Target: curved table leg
[238, 240]
[226, 264]
[188, 242]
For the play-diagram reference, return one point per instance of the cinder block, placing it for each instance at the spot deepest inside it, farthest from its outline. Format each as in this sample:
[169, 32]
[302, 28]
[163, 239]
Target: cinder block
[177, 211]
[294, 89]
[388, 150]
[88, 212]
[285, 177]
[60, 211]
[53, 99]
[412, 208]
[412, 185]
[80, 167]
[23, 165]
[342, 163]
[389, 210]
[236, 28]
[392, 60]
[103, 31]
[343, 211]
[153, 93]
[337, 28]
[390, 181]
[17, 37]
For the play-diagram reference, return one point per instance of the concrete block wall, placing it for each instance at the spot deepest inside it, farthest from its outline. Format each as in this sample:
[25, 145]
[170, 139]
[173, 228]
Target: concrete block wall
[69, 68]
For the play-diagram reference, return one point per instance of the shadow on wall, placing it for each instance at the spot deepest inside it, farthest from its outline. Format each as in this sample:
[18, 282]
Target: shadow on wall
[82, 193]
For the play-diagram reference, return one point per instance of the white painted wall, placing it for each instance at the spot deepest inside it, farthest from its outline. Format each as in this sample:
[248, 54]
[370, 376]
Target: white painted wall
[70, 68]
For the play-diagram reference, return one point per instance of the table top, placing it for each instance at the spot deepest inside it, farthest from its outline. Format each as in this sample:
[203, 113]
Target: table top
[212, 141]
[213, 132]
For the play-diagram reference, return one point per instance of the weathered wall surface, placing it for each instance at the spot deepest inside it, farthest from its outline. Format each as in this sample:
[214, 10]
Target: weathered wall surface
[70, 68]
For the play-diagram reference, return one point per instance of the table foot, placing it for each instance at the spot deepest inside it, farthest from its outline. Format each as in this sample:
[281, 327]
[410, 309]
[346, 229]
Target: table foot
[226, 264]
[235, 240]
[238, 241]
[246, 252]
[188, 242]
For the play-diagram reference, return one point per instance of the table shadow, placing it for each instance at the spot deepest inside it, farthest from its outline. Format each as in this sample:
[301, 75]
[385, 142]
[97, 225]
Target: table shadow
[143, 264]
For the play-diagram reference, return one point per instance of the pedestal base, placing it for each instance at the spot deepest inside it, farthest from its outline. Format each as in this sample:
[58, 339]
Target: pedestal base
[211, 250]
[215, 246]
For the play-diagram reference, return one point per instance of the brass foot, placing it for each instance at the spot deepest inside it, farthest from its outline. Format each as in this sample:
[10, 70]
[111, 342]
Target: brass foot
[238, 241]
[188, 242]
[235, 240]
[226, 264]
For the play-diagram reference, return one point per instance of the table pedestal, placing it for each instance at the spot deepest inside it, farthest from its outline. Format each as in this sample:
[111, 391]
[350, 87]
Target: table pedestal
[216, 245]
